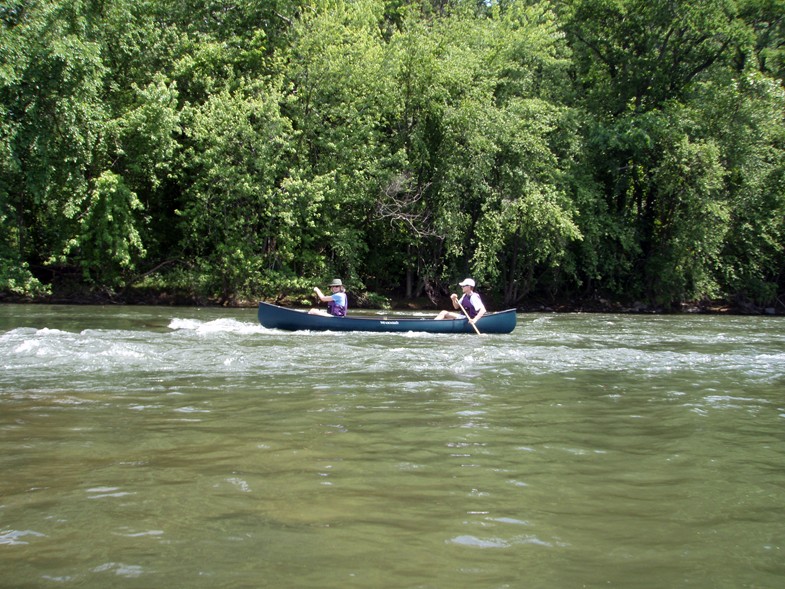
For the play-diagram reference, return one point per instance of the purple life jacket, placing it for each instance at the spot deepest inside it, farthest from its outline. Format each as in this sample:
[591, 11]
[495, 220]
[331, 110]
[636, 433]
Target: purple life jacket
[336, 309]
[466, 303]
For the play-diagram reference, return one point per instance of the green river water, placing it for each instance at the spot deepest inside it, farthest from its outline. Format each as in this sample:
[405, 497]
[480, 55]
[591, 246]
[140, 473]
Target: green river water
[180, 447]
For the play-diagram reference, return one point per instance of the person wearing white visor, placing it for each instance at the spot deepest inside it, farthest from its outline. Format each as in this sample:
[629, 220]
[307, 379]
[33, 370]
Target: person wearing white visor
[470, 301]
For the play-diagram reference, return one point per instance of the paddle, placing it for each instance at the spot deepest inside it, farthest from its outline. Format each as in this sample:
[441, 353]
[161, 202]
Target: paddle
[469, 319]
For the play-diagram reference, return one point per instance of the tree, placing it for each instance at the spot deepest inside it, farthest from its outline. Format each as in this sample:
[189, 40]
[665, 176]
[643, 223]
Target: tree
[108, 240]
[50, 94]
[746, 116]
[486, 144]
[240, 220]
[663, 172]
[766, 18]
[337, 88]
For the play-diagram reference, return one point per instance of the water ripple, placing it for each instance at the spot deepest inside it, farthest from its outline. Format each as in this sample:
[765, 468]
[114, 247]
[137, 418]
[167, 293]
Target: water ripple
[17, 537]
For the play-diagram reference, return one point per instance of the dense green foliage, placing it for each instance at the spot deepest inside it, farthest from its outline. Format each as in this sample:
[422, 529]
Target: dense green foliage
[565, 149]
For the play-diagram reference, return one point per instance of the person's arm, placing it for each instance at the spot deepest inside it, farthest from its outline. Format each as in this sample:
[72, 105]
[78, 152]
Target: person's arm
[321, 296]
[481, 311]
[454, 299]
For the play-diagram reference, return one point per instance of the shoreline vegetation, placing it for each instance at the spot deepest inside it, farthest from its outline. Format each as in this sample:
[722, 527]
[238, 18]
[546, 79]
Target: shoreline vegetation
[624, 156]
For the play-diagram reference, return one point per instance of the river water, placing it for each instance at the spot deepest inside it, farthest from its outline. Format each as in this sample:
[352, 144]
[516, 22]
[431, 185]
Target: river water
[180, 447]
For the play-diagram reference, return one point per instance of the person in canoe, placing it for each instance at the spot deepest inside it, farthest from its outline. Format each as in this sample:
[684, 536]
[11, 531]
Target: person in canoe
[337, 303]
[470, 301]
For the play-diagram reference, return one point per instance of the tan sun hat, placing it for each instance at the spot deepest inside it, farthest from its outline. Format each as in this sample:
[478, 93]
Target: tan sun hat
[336, 282]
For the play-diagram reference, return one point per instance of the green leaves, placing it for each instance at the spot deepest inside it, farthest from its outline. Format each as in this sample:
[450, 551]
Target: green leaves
[584, 148]
[673, 146]
[518, 235]
[239, 218]
[146, 133]
[108, 240]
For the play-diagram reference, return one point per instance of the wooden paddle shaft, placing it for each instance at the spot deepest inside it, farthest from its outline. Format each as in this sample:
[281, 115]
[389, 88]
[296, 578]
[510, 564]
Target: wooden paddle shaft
[469, 319]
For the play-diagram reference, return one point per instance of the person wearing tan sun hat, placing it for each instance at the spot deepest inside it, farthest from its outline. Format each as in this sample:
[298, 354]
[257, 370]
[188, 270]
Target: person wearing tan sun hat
[337, 303]
[470, 301]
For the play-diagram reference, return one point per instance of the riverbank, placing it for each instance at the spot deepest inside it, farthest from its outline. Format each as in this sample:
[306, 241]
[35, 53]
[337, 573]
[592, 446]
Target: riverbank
[739, 306]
